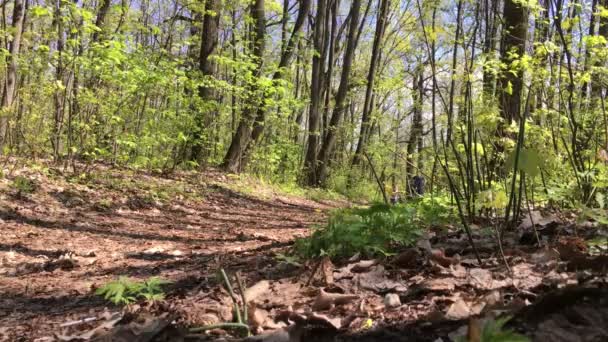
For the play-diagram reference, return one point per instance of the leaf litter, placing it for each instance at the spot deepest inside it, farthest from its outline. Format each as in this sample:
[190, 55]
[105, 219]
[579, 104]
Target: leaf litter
[58, 249]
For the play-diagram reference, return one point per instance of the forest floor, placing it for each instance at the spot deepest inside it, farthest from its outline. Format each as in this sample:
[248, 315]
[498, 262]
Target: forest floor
[62, 237]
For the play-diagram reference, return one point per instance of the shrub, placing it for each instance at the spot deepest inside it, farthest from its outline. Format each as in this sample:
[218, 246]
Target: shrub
[23, 185]
[378, 229]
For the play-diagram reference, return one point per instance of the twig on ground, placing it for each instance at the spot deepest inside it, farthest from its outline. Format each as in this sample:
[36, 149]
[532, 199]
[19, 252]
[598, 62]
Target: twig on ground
[219, 326]
[241, 286]
[237, 309]
[78, 322]
[314, 271]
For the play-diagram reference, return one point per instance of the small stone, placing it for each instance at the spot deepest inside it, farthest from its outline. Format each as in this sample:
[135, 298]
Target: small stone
[391, 300]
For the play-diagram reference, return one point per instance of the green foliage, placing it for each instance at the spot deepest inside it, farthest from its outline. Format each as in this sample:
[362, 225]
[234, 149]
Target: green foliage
[126, 291]
[358, 189]
[378, 229]
[23, 185]
[494, 331]
[529, 161]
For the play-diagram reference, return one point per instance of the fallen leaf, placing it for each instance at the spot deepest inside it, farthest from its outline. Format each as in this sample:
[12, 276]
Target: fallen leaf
[439, 284]
[376, 280]
[392, 300]
[439, 257]
[458, 310]
[408, 258]
[257, 289]
[480, 278]
[363, 266]
[325, 301]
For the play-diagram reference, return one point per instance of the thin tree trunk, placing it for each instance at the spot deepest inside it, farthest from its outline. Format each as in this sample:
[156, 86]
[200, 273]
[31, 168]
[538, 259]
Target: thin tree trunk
[514, 42]
[8, 95]
[329, 142]
[234, 156]
[209, 42]
[367, 106]
[318, 62]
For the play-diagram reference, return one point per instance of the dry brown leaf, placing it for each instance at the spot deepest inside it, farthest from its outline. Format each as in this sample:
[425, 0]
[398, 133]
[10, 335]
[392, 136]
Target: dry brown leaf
[376, 280]
[257, 289]
[439, 257]
[327, 270]
[440, 284]
[325, 301]
[363, 266]
[458, 310]
[545, 256]
[480, 278]
[408, 258]
[524, 276]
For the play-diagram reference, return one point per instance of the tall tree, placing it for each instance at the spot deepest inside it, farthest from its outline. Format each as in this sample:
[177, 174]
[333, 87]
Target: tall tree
[209, 41]
[371, 75]
[329, 142]
[316, 82]
[8, 94]
[286, 57]
[233, 158]
[415, 141]
[515, 18]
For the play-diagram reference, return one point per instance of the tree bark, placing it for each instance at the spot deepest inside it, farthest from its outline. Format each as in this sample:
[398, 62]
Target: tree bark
[367, 106]
[329, 142]
[209, 42]
[8, 95]
[286, 57]
[515, 18]
[414, 143]
[242, 136]
[317, 78]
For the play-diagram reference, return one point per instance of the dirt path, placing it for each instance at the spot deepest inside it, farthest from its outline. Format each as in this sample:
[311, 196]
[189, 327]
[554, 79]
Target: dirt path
[64, 237]
[67, 238]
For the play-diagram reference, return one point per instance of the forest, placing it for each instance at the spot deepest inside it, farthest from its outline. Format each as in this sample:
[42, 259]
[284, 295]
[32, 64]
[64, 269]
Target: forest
[299, 170]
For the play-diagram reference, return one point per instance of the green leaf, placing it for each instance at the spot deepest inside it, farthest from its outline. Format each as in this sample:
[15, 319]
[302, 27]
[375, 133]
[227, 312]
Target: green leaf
[529, 161]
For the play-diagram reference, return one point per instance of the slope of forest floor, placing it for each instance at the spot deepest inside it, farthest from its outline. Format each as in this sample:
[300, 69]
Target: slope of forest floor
[65, 236]
[70, 236]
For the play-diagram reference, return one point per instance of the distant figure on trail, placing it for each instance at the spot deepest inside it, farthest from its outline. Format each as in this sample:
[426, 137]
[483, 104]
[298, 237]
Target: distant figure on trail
[417, 186]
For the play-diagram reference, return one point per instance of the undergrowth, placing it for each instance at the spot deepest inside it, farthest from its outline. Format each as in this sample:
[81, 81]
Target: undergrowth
[377, 230]
[23, 185]
[265, 189]
[126, 291]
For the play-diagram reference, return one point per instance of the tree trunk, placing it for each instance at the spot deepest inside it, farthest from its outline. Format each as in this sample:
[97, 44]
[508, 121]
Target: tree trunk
[317, 77]
[286, 57]
[209, 41]
[100, 20]
[233, 158]
[514, 43]
[415, 141]
[367, 106]
[329, 142]
[59, 99]
[8, 95]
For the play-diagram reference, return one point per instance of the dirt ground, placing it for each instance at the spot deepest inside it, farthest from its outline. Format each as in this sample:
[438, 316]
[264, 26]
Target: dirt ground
[113, 226]
[63, 236]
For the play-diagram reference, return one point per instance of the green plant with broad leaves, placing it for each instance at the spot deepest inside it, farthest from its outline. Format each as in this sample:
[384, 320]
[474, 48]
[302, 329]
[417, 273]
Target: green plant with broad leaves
[126, 291]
